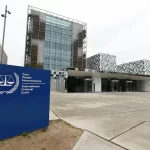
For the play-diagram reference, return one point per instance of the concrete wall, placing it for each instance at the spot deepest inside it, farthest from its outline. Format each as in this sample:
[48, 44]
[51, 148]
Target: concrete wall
[147, 67]
[76, 28]
[58, 85]
[98, 85]
[145, 86]
[40, 43]
[140, 67]
[102, 62]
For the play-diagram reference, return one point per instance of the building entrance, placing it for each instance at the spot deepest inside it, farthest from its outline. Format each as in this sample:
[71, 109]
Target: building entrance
[79, 84]
[129, 86]
[115, 85]
[119, 85]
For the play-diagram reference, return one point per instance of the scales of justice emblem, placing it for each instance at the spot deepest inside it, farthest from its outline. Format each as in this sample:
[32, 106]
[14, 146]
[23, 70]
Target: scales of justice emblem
[8, 81]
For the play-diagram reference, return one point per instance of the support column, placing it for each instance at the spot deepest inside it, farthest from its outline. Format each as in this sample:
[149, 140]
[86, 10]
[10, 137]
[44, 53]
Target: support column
[98, 84]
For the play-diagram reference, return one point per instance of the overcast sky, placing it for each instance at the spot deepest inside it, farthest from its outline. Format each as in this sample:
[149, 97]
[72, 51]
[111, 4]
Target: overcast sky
[117, 27]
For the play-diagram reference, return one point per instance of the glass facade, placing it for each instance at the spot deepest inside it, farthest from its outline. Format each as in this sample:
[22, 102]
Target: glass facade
[58, 40]
[54, 42]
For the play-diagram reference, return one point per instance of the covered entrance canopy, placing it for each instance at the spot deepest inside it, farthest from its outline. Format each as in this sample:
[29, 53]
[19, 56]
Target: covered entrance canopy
[110, 82]
[78, 73]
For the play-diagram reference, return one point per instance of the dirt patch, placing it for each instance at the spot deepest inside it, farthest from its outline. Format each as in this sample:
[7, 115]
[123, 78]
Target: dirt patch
[58, 136]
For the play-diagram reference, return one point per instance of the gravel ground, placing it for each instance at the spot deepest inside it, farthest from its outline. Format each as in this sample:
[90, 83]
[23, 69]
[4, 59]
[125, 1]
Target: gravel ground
[58, 136]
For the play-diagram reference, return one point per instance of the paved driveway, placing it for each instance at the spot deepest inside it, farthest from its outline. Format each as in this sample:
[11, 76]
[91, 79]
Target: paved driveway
[119, 118]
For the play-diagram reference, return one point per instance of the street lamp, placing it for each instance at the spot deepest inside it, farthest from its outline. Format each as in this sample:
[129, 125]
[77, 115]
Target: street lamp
[5, 16]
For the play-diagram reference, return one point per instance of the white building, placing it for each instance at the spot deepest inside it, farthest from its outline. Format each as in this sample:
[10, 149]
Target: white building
[103, 75]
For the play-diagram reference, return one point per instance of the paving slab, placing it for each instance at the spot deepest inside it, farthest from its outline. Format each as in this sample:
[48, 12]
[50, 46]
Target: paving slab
[140, 105]
[135, 139]
[89, 141]
[143, 115]
[109, 115]
[52, 116]
[89, 105]
[84, 109]
[107, 127]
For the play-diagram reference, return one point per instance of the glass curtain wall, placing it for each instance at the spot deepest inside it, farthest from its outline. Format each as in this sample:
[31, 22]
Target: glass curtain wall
[54, 42]
[57, 48]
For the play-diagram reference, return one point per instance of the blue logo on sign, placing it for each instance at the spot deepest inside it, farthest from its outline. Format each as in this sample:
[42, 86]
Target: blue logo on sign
[8, 83]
